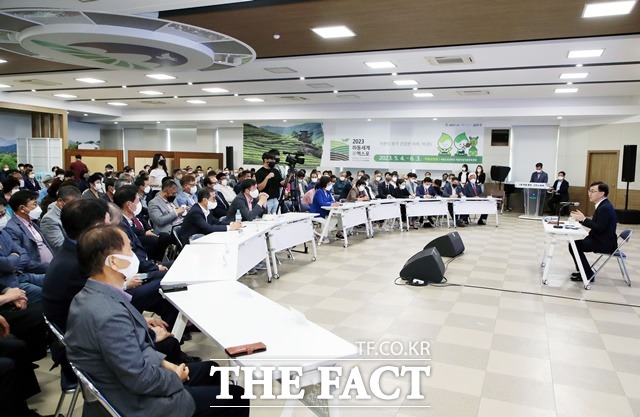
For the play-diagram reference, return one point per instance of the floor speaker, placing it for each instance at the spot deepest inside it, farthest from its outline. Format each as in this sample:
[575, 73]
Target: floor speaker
[629, 163]
[425, 265]
[229, 158]
[449, 245]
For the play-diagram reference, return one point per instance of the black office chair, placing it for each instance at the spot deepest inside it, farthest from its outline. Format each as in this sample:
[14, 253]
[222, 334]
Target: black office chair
[620, 256]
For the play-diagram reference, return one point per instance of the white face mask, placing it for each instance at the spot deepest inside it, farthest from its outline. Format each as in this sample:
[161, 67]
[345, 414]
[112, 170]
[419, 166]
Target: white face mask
[21, 183]
[330, 186]
[314, 179]
[394, 179]
[61, 176]
[224, 182]
[378, 178]
[32, 176]
[193, 190]
[216, 186]
[560, 178]
[35, 213]
[464, 169]
[211, 205]
[138, 209]
[15, 190]
[147, 189]
[361, 188]
[472, 180]
[538, 170]
[98, 186]
[254, 193]
[131, 270]
[3, 221]
[402, 187]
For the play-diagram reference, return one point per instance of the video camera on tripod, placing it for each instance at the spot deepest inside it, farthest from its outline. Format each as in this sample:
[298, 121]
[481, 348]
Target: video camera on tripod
[293, 159]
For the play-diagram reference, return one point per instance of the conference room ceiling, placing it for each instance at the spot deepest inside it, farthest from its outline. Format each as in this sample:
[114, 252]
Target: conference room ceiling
[514, 50]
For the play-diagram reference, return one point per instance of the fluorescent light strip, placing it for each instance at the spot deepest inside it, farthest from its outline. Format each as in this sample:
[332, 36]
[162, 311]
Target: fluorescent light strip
[117, 103]
[151, 93]
[610, 8]
[566, 90]
[196, 102]
[254, 100]
[423, 94]
[574, 75]
[330, 32]
[380, 64]
[405, 82]
[5, 86]
[215, 90]
[65, 96]
[90, 80]
[161, 76]
[589, 53]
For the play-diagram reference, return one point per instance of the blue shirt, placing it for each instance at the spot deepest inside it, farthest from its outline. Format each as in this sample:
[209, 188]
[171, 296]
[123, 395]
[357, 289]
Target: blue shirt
[321, 198]
[184, 199]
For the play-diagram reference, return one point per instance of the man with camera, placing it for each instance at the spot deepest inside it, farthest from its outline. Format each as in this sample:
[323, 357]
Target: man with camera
[269, 181]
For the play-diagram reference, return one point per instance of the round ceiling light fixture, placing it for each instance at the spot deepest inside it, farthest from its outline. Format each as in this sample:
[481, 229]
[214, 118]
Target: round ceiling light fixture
[118, 42]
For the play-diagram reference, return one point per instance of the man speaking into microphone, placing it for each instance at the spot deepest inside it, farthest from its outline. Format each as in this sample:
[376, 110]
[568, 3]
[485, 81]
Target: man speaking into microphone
[602, 237]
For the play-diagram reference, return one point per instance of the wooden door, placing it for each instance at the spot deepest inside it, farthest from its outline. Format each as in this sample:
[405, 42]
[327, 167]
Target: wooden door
[603, 166]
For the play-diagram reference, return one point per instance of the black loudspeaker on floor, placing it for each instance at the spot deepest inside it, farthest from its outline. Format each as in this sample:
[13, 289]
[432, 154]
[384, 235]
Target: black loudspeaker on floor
[427, 266]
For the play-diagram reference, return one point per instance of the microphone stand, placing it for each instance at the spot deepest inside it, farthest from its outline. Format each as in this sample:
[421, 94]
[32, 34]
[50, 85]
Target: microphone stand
[557, 226]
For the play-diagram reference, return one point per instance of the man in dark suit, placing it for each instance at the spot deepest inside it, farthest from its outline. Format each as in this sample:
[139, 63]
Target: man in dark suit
[200, 219]
[560, 192]
[129, 371]
[539, 175]
[602, 237]
[473, 189]
[251, 203]
[385, 189]
[222, 205]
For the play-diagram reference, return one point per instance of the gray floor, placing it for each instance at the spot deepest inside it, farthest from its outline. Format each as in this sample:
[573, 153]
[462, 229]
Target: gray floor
[518, 349]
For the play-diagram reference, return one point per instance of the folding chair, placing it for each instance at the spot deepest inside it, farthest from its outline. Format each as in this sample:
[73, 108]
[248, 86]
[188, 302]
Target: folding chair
[91, 393]
[620, 256]
[499, 195]
[68, 383]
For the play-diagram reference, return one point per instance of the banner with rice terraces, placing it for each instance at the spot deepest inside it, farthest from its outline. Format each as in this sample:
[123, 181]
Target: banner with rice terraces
[307, 138]
[402, 144]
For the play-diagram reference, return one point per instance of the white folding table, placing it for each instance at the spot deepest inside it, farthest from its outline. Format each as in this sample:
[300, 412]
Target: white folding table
[568, 231]
[417, 207]
[474, 205]
[383, 209]
[351, 214]
[231, 314]
[250, 244]
[289, 230]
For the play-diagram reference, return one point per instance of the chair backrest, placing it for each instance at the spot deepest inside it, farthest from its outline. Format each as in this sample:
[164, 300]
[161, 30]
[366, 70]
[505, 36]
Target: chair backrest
[625, 235]
[55, 331]
[497, 194]
[176, 234]
[90, 392]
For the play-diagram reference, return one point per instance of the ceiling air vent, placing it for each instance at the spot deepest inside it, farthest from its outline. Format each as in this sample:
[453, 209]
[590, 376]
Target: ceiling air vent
[35, 81]
[324, 86]
[473, 92]
[280, 70]
[451, 60]
[154, 102]
[293, 98]
[348, 96]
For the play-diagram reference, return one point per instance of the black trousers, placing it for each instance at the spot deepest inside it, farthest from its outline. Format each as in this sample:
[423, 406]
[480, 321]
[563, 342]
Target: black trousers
[204, 388]
[28, 325]
[17, 379]
[146, 297]
[587, 245]
[555, 201]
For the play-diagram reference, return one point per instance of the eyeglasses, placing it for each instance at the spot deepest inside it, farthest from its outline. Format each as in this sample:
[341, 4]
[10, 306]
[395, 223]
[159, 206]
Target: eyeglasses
[594, 191]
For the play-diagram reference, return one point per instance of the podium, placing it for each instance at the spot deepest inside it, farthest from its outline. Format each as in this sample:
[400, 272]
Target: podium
[534, 194]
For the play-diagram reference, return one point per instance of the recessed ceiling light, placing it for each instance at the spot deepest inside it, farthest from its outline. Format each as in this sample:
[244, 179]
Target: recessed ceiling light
[236, 95]
[578, 65]
[302, 78]
[435, 118]
[587, 53]
[368, 120]
[33, 90]
[573, 75]
[380, 64]
[124, 86]
[151, 93]
[215, 90]
[284, 121]
[415, 88]
[189, 83]
[90, 80]
[161, 76]
[335, 91]
[334, 32]
[423, 94]
[93, 99]
[117, 103]
[115, 123]
[65, 95]
[230, 121]
[609, 8]
[405, 82]
[566, 90]
[254, 100]
[196, 102]
[86, 114]
[5, 86]
[559, 117]
[175, 96]
[569, 83]
[3, 61]
[157, 123]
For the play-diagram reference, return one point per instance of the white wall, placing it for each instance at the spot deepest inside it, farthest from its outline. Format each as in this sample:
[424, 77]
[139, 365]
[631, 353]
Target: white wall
[575, 142]
[83, 132]
[231, 136]
[14, 126]
[530, 145]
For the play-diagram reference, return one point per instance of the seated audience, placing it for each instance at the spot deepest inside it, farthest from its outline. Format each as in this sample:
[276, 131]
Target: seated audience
[358, 193]
[222, 206]
[201, 220]
[559, 193]
[473, 189]
[163, 212]
[188, 189]
[26, 321]
[250, 202]
[223, 186]
[50, 224]
[94, 186]
[128, 371]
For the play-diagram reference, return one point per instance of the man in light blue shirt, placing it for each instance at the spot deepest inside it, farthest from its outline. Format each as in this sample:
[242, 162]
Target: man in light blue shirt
[187, 196]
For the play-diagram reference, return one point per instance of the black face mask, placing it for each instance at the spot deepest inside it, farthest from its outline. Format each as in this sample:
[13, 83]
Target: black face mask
[170, 198]
[272, 164]
[277, 158]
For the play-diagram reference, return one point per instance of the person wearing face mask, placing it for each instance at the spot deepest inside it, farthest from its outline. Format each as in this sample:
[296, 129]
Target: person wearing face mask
[223, 186]
[376, 181]
[539, 175]
[29, 181]
[250, 202]
[4, 172]
[109, 187]
[412, 183]
[464, 174]
[473, 189]
[200, 221]
[222, 204]
[4, 215]
[51, 225]
[122, 358]
[385, 189]
[26, 233]
[269, 180]
[313, 181]
[143, 187]
[46, 181]
[188, 190]
[240, 176]
[340, 184]
[163, 211]
[358, 193]
[95, 189]
[10, 186]
[560, 193]
[323, 197]
[481, 177]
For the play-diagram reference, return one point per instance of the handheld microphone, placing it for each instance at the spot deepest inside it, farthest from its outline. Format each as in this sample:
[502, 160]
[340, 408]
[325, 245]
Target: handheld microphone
[570, 203]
